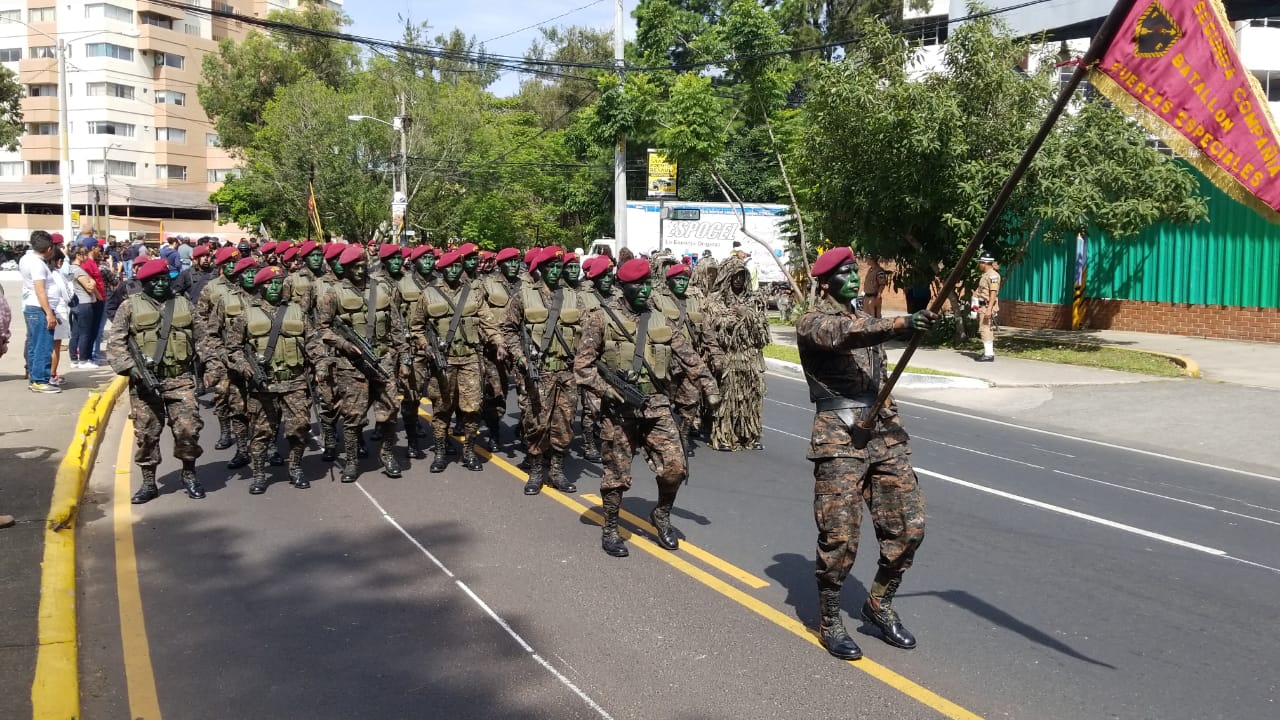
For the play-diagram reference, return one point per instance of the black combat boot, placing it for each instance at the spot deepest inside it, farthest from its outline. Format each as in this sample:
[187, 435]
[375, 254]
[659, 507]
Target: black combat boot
[148, 491]
[537, 474]
[831, 632]
[665, 534]
[259, 484]
[556, 478]
[225, 439]
[351, 468]
[526, 463]
[441, 459]
[195, 490]
[296, 478]
[362, 450]
[590, 448]
[878, 610]
[387, 454]
[242, 446]
[412, 430]
[376, 435]
[610, 541]
[276, 460]
[330, 442]
[495, 434]
[469, 459]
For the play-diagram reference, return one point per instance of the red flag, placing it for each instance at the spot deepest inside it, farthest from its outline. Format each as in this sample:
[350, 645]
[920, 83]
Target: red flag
[1174, 66]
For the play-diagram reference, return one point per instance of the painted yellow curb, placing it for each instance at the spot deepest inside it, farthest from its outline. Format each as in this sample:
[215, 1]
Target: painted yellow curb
[55, 693]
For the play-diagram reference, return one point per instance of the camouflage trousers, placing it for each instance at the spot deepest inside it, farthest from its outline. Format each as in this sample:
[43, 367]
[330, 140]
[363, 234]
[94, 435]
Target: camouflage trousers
[889, 488]
[326, 392]
[548, 422]
[496, 376]
[456, 389]
[686, 400]
[357, 397]
[271, 412]
[654, 430]
[590, 404]
[215, 380]
[178, 405]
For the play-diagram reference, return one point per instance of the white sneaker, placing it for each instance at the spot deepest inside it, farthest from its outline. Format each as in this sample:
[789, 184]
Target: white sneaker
[75, 365]
[88, 365]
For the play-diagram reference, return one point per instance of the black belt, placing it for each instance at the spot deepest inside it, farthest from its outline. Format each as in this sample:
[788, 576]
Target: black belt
[844, 403]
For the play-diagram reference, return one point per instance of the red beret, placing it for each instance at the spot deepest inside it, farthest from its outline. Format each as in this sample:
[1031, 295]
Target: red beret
[333, 250]
[406, 253]
[267, 274]
[372, 242]
[290, 254]
[677, 270]
[308, 247]
[388, 250]
[200, 251]
[352, 254]
[437, 252]
[152, 268]
[267, 247]
[225, 255]
[468, 249]
[506, 254]
[418, 252]
[634, 270]
[597, 266]
[56, 238]
[245, 264]
[486, 254]
[552, 252]
[830, 260]
[448, 259]
[571, 257]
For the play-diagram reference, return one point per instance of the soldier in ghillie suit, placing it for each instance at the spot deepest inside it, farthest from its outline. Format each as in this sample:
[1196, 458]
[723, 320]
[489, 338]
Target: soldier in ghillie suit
[366, 367]
[735, 332]
[155, 327]
[541, 326]
[844, 363]
[639, 350]
[704, 273]
[685, 308]
[277, 332]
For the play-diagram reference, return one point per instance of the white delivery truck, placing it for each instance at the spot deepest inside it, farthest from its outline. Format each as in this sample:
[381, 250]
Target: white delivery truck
[689, 228]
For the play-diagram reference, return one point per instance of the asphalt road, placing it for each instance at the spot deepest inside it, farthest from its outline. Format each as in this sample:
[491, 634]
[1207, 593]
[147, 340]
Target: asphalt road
[1059, 579]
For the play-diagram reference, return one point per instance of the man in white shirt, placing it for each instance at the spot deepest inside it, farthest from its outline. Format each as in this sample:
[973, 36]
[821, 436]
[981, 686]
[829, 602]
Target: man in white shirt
[37, 312]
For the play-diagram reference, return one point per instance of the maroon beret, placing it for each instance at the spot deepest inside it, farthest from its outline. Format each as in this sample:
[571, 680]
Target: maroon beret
[352, 254]
[830, 260]
[152, 268]
[418, 252]
[548, 253]
[448, 259]
[308, 247]
[225, 255]
[506, 254]
[468, 249]
[677, 270]
[634, 270]
[267, 274]
[333, 250]
[597, 266]
[267, 248]
[245, 264]
[56, 238]
[486, 254]
[530, 254]
[290, 254]
[572, 257]
[387, 251]
[200, 251]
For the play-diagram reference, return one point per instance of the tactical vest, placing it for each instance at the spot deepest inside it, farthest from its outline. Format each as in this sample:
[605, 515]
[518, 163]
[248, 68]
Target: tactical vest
[496, 293]
[410, 293]
[693, 314]
[300, 287]
[352, 309]
[179, 349]
[536, 314]
[588, 299]
[619, 350]
[467, 338]
[289, 359]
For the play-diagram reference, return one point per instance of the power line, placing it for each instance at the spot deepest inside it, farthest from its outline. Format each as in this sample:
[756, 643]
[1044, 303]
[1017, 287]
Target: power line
[544, 22]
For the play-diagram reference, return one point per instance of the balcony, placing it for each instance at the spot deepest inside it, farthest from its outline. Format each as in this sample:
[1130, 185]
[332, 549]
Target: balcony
[36, 147]
[35, 70]
[43, 108]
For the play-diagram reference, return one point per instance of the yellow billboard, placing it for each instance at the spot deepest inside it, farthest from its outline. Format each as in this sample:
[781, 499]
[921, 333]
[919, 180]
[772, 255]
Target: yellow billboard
[662, 175]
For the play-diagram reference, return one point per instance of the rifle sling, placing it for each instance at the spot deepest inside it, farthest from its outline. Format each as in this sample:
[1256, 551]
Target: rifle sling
[277, 323]
[371, 303]
[553, 322]
[456, 320]
[623, 330]
[166, 325]
[642, 336]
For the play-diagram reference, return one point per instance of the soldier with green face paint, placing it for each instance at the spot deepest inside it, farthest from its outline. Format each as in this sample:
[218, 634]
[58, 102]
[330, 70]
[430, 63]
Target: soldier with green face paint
[639, 345]
[232, 304]
[300, 284]
[277, 331]
[500, 286]
[410, 285]
[685, 308]
[322, 359]
[209, 342]
[493, 360]
[161, 327]
[598, 272]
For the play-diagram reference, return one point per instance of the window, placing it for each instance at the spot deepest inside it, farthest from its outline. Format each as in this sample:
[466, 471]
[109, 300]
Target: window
[108, 11]
[118, 168]
[108, 50]
[11, 169]
[223, 7]
[171, 172]
[110, 89]
[11, 16]
[191, 28]
[10, 55]
[45, 51]
[1266, 22]
[44, 167]
[170, 60]
[42, 14]
[161, 21]
[45, 128]
[42, 90]
[211, 140]
[173, 135]
[105, 127]
[217, 176]
[170, 97]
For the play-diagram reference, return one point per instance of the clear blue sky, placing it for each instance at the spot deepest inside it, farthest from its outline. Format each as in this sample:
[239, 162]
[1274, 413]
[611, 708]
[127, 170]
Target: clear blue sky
[483, 20]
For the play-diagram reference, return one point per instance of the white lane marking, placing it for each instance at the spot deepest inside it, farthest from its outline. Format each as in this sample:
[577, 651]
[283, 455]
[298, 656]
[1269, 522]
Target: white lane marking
[1136, 490]
[784, 432]
[786, 404]
[1250, 517]
[976, 452]
[489, 611]
[1250, 562]
[1052, 452]
[1074, 513]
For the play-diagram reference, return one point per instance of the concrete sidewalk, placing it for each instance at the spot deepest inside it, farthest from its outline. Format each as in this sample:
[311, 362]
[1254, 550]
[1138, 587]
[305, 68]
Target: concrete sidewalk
[35, 431]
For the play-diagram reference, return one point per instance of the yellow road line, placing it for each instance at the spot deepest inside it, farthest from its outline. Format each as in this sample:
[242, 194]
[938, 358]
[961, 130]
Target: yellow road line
[889, 677]
[138, 672]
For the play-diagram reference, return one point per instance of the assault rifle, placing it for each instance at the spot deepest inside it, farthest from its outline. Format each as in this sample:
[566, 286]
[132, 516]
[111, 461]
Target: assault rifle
[142, 369]
[435, 353]
[630, 392]
[530, 355]
[258, 377]
[367, 360]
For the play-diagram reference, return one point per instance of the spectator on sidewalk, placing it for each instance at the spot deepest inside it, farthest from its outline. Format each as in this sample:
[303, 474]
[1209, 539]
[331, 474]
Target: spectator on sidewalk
[60, 296]
[90, 266]
[6, 317]
[82, 319]
[169, 253]
[37, 312]
[184, 254]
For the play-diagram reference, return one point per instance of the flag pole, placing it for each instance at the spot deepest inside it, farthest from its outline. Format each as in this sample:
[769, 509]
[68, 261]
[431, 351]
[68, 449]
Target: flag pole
[1106, 33]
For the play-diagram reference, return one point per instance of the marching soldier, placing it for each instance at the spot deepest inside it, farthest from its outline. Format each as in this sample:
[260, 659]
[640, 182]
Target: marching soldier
[209, 342]
[735, 333]
[499, 288]
[233, 304]
[684, 307]
[599, 273]
[276, 332]
[422, 371]
[463, 323]
[542, 325]
[152, 340]
[300, 283]
[626, 356]
[322, 360]
[358, 318]
[844, 363]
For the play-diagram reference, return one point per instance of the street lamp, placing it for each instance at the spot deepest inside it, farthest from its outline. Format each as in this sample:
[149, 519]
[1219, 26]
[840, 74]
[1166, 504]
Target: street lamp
[399, 123]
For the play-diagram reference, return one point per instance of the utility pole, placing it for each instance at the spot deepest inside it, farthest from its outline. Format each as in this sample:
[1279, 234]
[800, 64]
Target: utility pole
[620, 148]
[402, 124]
[106, 180]
[64, 130]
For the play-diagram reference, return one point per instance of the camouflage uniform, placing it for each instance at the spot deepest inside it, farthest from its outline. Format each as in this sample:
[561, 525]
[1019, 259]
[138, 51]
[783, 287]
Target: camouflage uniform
[212, 356]
[704, 275]
[230, 304]
[735, 332]
[589, 402]
[547, 423]
[356, 393]
[497, 293]
[459, 385]
[140, 317]
[285, 403]
[300, 287]
[624, 429]
[322, 360]
[687, 315]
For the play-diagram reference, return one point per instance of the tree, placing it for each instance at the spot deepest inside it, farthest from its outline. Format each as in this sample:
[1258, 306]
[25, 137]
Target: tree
[11, 128]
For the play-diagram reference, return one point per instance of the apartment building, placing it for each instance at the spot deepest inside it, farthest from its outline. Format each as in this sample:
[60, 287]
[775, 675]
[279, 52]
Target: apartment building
[142, 150]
